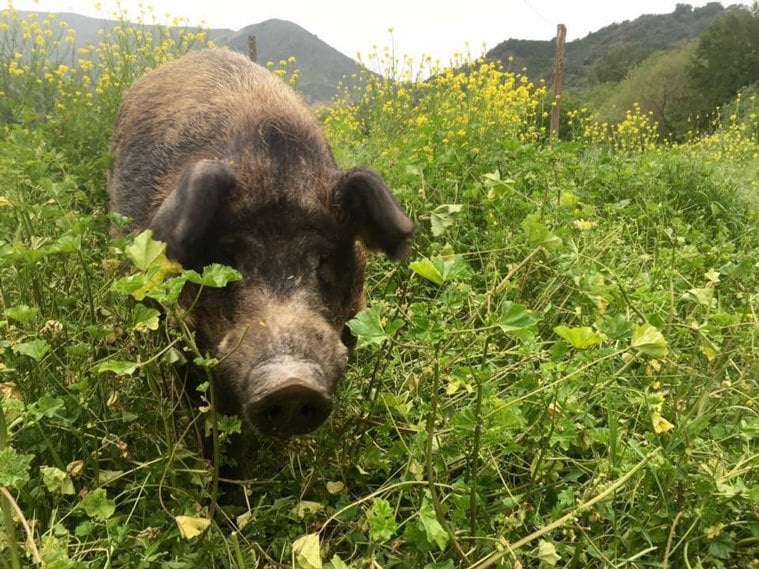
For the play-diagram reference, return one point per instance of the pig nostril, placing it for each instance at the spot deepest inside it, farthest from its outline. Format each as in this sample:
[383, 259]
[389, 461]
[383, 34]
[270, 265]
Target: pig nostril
[274, 412]
[292, 409]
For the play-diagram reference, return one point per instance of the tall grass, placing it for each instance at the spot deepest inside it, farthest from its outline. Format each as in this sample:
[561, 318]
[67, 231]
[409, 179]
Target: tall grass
[565, 374]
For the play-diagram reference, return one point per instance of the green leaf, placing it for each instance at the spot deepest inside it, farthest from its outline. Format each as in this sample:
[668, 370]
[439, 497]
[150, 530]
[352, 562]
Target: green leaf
[84, 529]
[144, 319]
[229, 424]
[150, 283]
[442, 217]
[106, 476]
[702, 296]
[66, 244]
[381, 519]
[14, 468]
[168, 293]
[22, 313]
[547, 554]
[426, 269]
[207, 362]
[174, 356]
[338, 563]
[145, 252]
[97, 505]
[738, 488]
[615, 326]
[130, 285]
[498, 189]
[215, 275]
[57, 481]
[712, 276]
[36, 349]
[722, 547]
[580, 338]
[46, 406]
[307, 552]
[538, 235]
[515, 317]
[118, 367]
[429, 523]
[648, 340]
[447, 564]
[367, 325]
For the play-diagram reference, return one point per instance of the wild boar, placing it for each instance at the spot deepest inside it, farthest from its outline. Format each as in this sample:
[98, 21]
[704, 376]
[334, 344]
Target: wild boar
[226, 163]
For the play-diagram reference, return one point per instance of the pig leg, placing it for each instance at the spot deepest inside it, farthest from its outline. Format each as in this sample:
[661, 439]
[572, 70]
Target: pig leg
[185, 215]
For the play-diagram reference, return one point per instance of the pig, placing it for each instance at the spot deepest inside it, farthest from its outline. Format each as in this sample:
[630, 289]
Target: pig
[225, 163]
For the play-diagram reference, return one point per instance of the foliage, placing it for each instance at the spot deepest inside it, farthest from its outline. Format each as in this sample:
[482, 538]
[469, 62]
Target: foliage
[321, 65]
[43, 79]
[660, 85]
[563, 375]
[450, 119]
[682, 88]
[608, 53]
[618, 61]
[727, 57]
[637, 132]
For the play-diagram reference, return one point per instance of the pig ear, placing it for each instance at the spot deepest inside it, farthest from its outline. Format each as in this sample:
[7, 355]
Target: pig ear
[186, 214]
[370, 207]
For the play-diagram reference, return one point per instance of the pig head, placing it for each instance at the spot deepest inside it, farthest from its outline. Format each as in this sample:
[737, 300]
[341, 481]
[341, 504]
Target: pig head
[226, 164]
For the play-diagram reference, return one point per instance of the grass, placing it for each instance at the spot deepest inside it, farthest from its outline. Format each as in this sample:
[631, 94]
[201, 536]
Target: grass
[565, 373]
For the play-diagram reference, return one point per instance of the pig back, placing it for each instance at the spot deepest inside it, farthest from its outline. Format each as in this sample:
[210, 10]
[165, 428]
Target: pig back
[209, 104]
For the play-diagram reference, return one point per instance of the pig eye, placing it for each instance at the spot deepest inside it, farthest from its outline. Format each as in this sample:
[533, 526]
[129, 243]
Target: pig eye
[225, 253]
[326, 271]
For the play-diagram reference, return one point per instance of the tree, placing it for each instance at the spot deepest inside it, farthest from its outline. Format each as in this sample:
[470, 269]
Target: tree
[618, 61]
[659, 85]
[726, 58]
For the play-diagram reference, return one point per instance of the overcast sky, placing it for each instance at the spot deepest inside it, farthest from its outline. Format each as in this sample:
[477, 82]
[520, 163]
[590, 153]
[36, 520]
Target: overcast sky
[433, 27]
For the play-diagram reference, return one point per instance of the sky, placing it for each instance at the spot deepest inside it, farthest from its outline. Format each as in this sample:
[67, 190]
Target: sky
[437, 28]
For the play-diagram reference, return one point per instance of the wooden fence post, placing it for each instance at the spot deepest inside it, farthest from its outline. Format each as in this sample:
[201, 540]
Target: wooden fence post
[558, 78]
[252, 51]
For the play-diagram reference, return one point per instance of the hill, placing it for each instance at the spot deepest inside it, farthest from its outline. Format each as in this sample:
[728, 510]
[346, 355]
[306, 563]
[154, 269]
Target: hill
[320, 65]
[607, 54]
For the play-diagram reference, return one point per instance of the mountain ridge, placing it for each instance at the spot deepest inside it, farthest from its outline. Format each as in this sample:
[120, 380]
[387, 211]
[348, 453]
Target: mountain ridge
[629, 42]
[604, 55]
[320, 66]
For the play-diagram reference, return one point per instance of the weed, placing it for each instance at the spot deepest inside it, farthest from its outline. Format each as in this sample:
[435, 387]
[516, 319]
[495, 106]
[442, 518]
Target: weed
[565, 373]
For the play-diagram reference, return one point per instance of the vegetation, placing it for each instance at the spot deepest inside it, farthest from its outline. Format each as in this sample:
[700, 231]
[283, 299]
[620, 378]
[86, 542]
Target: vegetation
[660, 85]
[609, 53]
[321, 66]
[726, 59]
[685, 86]
[565, 374]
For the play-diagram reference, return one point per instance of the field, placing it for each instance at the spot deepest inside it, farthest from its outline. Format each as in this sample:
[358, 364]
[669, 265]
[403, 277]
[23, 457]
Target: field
[564, 374]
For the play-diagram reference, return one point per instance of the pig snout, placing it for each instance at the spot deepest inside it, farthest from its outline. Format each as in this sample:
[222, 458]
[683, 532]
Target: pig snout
[292, 400]
[280, 368]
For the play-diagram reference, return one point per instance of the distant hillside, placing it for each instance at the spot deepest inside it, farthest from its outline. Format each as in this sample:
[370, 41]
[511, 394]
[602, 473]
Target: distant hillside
[605, 55]
[610, 52]
[320, 66]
